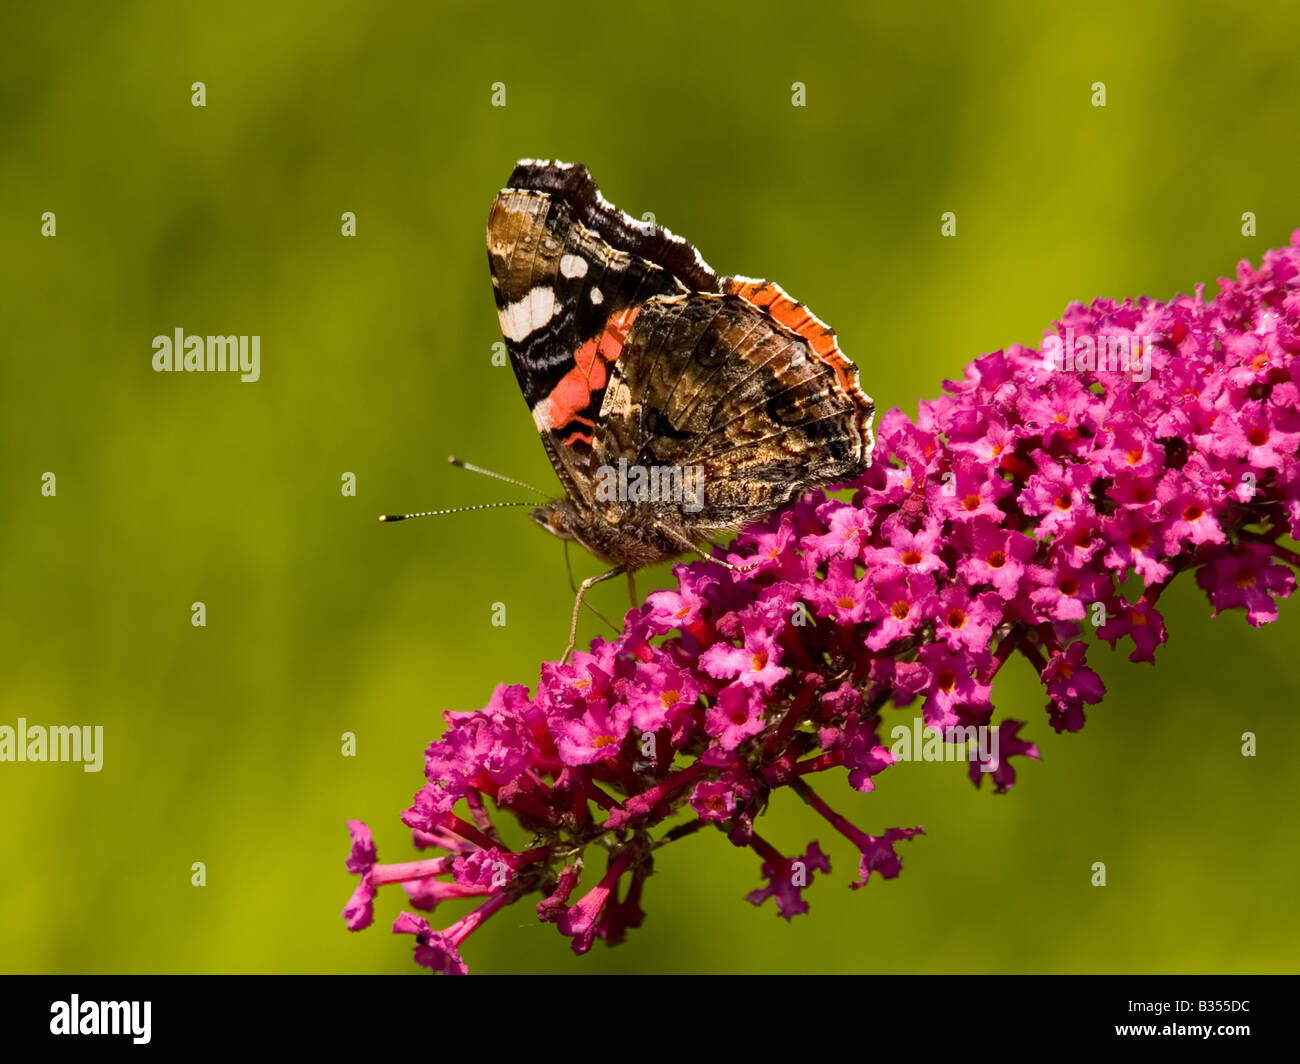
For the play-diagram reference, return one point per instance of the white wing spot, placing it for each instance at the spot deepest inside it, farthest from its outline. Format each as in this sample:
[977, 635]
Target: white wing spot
[525, 317]
[573, 266]
[596, 296]
[542, 416]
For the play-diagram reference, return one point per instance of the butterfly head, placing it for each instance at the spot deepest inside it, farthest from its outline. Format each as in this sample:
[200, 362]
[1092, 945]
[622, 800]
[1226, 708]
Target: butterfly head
[558, 517]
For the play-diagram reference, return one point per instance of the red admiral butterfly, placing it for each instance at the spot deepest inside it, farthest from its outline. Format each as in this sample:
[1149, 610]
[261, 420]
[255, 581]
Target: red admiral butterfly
[675, 405]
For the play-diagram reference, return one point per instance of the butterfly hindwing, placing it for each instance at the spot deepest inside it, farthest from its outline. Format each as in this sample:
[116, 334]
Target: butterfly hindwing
[710, 381]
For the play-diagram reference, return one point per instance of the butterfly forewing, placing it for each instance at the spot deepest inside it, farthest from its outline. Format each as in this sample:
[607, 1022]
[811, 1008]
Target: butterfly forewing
[565, 293]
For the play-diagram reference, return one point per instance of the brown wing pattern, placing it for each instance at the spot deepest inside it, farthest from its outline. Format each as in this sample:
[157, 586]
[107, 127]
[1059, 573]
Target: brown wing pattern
[796, 317]
[716, 382]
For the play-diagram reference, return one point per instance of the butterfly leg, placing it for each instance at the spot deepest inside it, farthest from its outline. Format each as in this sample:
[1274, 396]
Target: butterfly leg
[688, 545]
[631, 587]
[583, 588]
[574, 588]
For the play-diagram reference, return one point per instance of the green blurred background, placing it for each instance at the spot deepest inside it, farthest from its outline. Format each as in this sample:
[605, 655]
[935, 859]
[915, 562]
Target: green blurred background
[222, 744]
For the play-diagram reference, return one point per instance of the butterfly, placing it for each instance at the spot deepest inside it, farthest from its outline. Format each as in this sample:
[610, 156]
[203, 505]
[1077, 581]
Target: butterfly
[675, 406]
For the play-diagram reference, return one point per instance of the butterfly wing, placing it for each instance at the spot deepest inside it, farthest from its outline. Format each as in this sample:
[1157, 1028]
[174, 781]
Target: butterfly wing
[762, 410]
[570, 272]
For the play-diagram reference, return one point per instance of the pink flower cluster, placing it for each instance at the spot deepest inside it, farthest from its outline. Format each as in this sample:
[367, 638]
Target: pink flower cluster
[1008, 517]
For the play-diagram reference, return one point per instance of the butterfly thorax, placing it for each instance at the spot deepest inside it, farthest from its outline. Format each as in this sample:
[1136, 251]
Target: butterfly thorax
[631, 535]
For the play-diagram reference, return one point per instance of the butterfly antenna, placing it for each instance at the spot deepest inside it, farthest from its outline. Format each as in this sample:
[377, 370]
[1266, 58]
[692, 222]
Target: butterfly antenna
[496, 476]
[390, 518]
